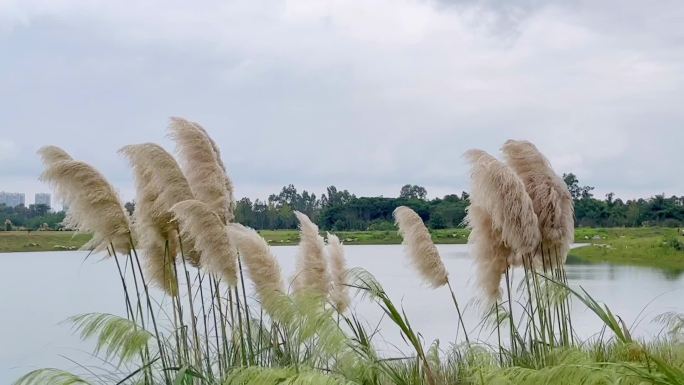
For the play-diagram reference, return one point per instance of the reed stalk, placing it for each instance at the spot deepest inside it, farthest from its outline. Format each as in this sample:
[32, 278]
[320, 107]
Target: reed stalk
[193, 318]
[243, 352]
[247, 315]
[129, 308]
[460, 315]
[162, 354]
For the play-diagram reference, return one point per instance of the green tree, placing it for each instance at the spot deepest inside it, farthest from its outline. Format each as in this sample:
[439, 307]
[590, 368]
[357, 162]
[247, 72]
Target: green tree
[577, 191]
[411, 191]
[334, 197]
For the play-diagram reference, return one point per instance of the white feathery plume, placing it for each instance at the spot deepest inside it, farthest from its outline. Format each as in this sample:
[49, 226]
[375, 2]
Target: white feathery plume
[94, 205]
[198, 222]
[552, 201]
[262, 267]
[311, 269]
[159, 184]
[501, 216]
[339, 294]
[53, 154]
[420, 248]
[499, 191]
[203, 167]
[490, 254]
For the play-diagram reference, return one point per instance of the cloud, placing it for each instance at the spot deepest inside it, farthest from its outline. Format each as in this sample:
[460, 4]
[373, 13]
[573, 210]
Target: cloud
[367, 95]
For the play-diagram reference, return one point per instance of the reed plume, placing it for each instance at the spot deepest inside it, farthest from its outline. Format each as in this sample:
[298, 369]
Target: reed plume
[94, 205]
[198, 222]
[203, 167]
[339, 294]
[420, 248]
[499, 191]
[53, 154]
[311, 269]
[550, 196]
[490, 254]
[501, 216]
[159, 185]
[262, 267]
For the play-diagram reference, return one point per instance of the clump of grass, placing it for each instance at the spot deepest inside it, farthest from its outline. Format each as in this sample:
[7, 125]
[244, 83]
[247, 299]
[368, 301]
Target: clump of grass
[311, 335]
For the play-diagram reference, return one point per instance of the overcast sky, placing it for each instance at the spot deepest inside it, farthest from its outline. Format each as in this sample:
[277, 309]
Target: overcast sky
[367, 95]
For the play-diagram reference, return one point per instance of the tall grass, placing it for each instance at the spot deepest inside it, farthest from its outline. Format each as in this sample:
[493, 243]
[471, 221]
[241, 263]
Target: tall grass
[207, 331]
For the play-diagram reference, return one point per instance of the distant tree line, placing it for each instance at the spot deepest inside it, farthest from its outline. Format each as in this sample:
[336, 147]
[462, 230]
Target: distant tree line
[32, 217]
[658, 210]
[340, 210]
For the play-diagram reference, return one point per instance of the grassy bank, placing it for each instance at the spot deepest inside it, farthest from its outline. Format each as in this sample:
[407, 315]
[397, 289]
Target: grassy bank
[386, 237]
[17, 241]
[651, 246]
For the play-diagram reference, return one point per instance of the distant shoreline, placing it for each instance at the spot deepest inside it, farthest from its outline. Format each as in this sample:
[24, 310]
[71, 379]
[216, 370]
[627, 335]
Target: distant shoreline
[644, 246]
[22, 241]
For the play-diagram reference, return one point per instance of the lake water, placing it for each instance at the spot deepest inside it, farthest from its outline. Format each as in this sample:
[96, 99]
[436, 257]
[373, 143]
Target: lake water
[40, 290]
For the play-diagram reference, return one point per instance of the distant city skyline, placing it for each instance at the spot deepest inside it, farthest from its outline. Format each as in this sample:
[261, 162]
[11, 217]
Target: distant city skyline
[42, 199]
[11, 198]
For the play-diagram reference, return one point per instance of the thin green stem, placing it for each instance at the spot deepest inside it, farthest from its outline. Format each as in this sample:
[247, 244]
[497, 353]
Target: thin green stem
[460, 315]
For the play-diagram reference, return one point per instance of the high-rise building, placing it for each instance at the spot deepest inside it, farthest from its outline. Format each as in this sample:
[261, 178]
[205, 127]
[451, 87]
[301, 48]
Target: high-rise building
[42, 199]
[12, 199]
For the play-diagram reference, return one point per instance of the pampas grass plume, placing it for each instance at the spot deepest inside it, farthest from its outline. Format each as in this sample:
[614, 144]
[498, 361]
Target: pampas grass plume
[159, 181]
[53, 154]
[160, 184]
[552, 201]
[499, 191]
[262, 267]
[203, 167]
[198, 222]
[491, 256]
[339, 294]
[311, 269]
[420, 248]
[94, 205]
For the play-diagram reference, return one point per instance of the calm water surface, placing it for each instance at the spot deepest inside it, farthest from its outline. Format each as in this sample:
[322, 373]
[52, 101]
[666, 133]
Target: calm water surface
[40, 290]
